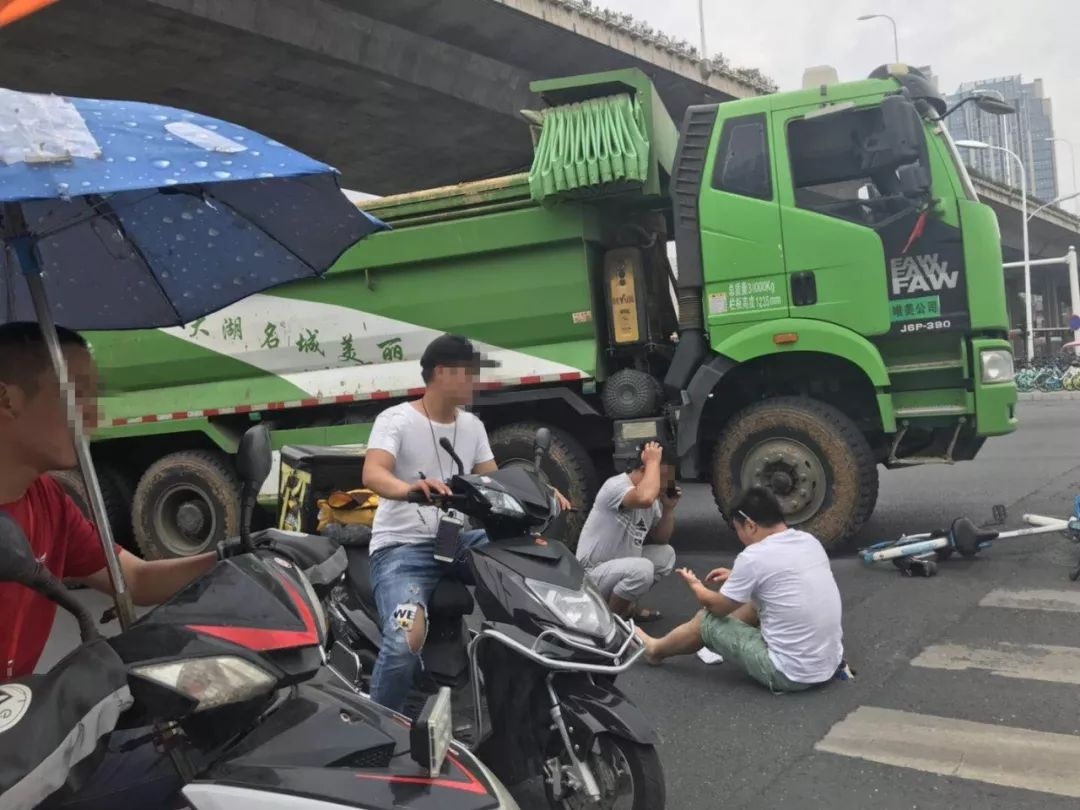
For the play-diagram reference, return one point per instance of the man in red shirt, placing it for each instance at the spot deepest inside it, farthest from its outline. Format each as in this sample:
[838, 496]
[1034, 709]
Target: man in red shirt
[34, 439]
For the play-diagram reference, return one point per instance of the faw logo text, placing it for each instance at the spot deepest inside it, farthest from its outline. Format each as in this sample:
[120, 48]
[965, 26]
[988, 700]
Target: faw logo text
[919, 274]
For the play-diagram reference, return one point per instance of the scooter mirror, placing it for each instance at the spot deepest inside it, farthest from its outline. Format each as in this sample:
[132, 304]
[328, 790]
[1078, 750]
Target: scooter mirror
[17, 562]
[542, 442]
[254, 458]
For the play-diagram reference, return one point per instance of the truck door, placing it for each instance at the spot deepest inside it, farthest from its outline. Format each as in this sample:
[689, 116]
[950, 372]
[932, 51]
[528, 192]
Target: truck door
[740, 228]
[833, 255]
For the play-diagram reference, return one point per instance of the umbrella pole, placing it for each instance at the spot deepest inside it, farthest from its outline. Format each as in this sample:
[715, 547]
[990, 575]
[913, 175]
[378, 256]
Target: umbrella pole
[125, 610]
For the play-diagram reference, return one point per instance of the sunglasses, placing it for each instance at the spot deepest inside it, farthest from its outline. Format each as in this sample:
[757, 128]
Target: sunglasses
[731, 520]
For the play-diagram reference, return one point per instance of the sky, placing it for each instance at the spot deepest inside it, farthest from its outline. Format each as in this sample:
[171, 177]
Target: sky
[963, 40]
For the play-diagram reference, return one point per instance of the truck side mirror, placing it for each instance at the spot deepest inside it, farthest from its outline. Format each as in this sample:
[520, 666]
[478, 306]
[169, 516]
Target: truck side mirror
[914, 180]
[900, 139]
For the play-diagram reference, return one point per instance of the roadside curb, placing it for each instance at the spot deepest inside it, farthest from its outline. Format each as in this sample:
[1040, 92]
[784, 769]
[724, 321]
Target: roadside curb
[1045, 396]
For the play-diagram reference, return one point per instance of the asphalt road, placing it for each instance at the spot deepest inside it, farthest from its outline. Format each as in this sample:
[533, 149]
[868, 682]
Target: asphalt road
[725, 742]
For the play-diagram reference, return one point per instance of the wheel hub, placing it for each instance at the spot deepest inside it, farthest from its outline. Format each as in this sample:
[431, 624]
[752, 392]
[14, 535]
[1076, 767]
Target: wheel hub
[791, 471]
[191, 519]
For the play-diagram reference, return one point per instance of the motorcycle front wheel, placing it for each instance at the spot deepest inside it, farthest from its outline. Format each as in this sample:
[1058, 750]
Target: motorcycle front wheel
[628, 774]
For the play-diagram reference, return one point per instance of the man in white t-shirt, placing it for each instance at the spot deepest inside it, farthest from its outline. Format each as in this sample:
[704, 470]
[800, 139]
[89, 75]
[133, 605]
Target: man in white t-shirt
[777, 613]
[404, 456]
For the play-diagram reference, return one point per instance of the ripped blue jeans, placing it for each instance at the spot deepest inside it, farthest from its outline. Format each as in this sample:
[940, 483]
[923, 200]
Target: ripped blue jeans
[403, 577]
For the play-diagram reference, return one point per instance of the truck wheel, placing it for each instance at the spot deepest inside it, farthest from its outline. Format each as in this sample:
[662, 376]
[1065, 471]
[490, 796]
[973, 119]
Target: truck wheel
[185, 504]
[568, 468]
[116, 491]
[629, 394]
[812, 457]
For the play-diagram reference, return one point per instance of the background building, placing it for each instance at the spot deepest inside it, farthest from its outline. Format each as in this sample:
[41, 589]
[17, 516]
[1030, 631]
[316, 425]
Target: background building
[1025, 133]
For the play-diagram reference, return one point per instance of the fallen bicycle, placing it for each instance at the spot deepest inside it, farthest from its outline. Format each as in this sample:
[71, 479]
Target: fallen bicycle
[919, 554]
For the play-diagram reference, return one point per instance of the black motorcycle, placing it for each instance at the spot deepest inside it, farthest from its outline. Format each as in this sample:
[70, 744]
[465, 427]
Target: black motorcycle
[229, 675]
[544, 660]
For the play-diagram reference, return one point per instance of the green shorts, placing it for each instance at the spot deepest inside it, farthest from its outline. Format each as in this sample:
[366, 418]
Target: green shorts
[744, 646]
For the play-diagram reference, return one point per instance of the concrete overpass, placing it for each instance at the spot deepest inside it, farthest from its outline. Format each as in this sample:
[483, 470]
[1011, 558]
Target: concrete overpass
[1051, 233]
[398, 95]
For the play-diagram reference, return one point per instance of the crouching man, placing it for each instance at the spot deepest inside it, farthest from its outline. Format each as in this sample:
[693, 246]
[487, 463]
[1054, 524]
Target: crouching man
[625, 544]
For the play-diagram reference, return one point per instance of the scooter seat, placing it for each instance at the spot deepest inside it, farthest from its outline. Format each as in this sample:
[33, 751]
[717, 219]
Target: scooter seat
[450, 597]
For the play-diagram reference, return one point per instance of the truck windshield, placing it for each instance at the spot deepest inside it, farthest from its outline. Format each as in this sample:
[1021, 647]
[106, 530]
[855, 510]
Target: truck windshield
[942, 132]
[836, 168]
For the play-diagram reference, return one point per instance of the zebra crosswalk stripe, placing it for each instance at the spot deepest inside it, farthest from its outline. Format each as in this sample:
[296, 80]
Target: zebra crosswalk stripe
[1034, 599]
[1035, 662]
[1000, 755]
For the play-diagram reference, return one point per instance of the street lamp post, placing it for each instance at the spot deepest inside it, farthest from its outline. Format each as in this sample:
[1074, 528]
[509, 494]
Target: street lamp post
[1072, 164]
[895, 36]
[1061, 199]
[1027, 244]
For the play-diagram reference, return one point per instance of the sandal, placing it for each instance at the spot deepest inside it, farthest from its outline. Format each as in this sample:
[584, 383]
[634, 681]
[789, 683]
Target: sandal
[646, 615]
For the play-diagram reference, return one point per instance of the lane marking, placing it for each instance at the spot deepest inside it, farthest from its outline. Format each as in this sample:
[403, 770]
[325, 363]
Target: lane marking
[1035, 599]
[1000, 755]
[1033, 662]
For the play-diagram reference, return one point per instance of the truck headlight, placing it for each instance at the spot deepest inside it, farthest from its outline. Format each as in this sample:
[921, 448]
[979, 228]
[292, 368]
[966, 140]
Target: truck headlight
[213, 682]
[997, 366]
[584, 610]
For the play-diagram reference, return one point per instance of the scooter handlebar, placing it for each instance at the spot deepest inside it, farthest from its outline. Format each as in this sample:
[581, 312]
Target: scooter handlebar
[441, 501]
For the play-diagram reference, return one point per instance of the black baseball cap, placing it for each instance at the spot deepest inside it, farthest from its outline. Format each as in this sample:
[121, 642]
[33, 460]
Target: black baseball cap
[454, 351]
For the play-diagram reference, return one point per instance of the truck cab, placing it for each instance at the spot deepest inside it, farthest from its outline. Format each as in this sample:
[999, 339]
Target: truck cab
[836, 271]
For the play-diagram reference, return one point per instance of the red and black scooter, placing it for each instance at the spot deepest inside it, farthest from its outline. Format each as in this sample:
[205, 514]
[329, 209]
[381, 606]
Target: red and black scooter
[230, 674]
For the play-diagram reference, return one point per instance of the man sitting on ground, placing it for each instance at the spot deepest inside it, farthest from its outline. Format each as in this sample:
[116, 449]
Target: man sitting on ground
[781, 581]
[625, 544]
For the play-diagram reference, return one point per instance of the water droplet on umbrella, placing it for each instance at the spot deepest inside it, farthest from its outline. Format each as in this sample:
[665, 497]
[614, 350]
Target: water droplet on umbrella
[187, 215]
[167, 220]
[226, 163]
[274, 143]
[210, 245]
[161, 118]
[215, 286]
[259, 254]
[256, 154]
[222, 175]
[211, 126]
[162, 164]
[130, 158]
[169, 181]
[266, 174]
[238, 137]
[188, 294]
[238, 281]
[239, 258]
[213, 232]
[202, 164]
[165, 274]
[179, 237]
[85, 183]
[110, 160]
[131, 123]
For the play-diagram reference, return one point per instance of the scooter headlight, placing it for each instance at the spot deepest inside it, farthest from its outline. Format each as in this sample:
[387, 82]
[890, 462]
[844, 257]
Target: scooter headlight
[502, 503]
[583, 610]
[213, 682]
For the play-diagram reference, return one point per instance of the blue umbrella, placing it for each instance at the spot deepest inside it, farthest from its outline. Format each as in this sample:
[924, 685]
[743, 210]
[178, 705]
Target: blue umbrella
[124, 215]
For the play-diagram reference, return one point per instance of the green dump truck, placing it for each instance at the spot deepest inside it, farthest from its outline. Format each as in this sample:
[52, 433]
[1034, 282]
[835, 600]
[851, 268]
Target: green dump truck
[837, 304]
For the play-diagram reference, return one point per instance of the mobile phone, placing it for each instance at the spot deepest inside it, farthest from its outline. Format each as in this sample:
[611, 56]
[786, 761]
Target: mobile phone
[672, 490]
[447, 536]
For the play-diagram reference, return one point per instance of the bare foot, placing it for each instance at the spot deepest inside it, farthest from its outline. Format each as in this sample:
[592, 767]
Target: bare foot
[650, 648]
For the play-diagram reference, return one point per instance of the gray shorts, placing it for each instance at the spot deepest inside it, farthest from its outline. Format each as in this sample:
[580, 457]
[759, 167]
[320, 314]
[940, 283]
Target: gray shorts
[630, 578]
